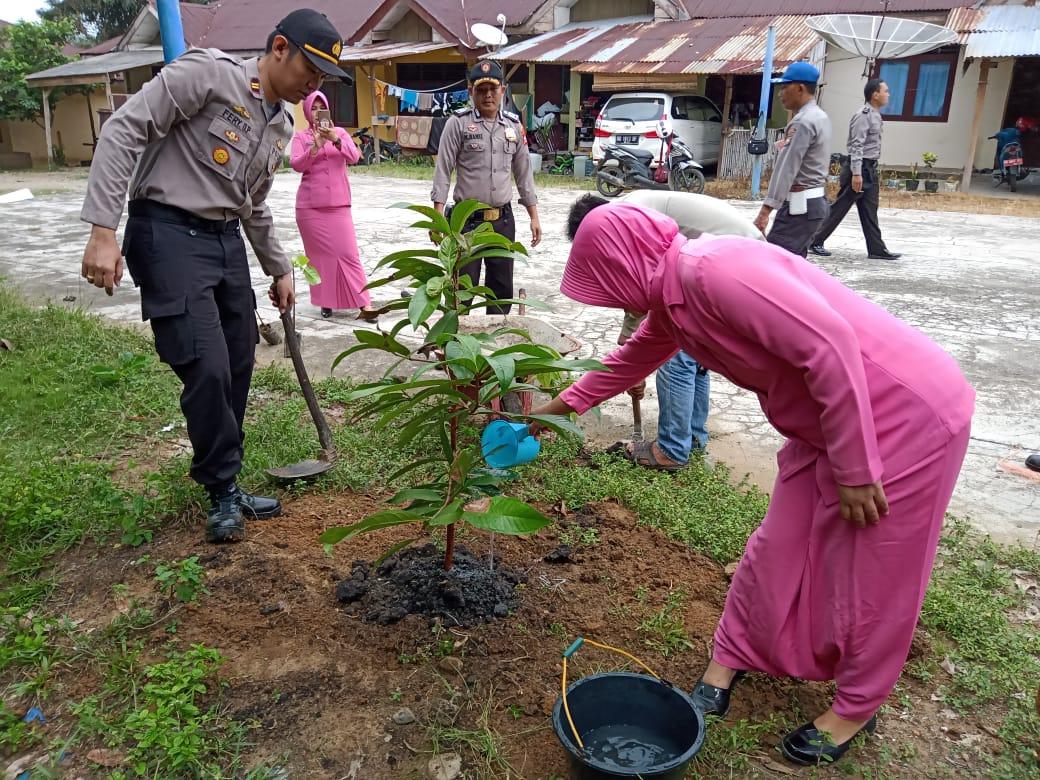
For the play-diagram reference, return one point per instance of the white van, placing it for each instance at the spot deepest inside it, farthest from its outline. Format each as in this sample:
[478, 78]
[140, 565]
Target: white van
[632, 119]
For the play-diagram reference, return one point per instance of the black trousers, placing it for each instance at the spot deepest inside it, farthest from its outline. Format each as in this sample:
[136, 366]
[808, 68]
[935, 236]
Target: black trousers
[866, 204]
[794, 232]
[498, 271]
[197, 295]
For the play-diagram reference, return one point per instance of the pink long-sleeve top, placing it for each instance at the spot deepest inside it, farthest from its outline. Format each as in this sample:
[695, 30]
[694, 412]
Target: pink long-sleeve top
[831, 369]
[325, 182]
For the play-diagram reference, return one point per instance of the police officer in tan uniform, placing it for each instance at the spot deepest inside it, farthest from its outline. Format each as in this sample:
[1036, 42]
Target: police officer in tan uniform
[486, 147]
[860, 182]
[198, 147]
[798, 184]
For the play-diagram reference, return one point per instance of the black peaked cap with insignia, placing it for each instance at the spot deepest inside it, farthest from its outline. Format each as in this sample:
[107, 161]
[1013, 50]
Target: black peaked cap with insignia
[486, 71]
[313, 34]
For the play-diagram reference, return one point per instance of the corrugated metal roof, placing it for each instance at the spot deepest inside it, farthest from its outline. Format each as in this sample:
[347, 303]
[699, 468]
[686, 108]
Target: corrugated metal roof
[728, 45]
[88, 67]
[389, 51]
[998, 30]
[717, 9]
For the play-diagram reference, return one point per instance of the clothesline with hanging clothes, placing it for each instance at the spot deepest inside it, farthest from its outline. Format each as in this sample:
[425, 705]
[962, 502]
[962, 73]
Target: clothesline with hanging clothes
[420, 99]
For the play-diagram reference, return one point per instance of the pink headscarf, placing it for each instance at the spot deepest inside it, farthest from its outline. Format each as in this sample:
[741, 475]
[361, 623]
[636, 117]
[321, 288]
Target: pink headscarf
[308, 105]
[619, 257]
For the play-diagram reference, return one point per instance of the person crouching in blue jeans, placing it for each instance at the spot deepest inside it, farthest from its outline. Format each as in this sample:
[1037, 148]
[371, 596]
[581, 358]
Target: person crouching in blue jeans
[682, 385]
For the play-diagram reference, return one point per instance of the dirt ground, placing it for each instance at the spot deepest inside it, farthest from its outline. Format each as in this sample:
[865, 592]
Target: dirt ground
[323, 686]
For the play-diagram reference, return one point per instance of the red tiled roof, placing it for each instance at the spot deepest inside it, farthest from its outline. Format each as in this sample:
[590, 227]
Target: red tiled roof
[243, 25]
[451, 17]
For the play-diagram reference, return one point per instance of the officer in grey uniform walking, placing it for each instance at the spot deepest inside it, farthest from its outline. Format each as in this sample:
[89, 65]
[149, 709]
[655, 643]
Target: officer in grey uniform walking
[202, 141]
[797, 187]
[486, 147]
[860, 183]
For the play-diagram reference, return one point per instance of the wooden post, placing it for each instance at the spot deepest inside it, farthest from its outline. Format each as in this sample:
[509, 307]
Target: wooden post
[976, 122]
[572, 110]
[727, 106]
[530, 92]
[47, 125]
[108, 90]
[375, 111]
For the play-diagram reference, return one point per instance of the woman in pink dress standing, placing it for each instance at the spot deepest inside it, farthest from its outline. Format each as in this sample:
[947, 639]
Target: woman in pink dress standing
[877, 421]
[323, 213]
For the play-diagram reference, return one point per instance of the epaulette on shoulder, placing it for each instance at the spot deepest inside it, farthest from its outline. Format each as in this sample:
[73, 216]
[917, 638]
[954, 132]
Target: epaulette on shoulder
[510, 115]
[866, 109]
[463, 111]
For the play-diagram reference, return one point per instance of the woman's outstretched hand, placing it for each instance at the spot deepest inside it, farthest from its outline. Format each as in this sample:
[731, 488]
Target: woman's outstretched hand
[863, 504]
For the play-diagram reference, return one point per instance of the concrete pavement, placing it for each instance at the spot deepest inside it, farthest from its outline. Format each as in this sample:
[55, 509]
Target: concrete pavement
[967, 280]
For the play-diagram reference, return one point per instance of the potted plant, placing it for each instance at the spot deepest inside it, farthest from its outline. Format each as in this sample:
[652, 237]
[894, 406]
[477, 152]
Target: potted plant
[950, 185]
[931, 184]
[454, 377]
[892, 180]
[911, 178]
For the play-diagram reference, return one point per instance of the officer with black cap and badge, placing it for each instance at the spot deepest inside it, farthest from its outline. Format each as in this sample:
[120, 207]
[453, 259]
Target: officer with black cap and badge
[197, 148]
[486, 147]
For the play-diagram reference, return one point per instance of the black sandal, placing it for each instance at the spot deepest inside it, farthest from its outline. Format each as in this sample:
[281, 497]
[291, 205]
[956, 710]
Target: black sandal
[714, 701]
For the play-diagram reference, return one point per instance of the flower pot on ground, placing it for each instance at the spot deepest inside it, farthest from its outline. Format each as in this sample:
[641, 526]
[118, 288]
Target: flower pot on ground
[911, 185]
[931, 185]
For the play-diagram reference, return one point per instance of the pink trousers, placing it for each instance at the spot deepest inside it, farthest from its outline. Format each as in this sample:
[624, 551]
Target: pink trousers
[818, 598]
[331, 246]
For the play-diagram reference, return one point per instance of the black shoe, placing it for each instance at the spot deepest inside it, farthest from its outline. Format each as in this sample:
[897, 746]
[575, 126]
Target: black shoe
[326, 312]
[808, 746]
[1033, 461]
[224, 521]
[257, 507]
[818, 249]
[711, 700]
[886, 255]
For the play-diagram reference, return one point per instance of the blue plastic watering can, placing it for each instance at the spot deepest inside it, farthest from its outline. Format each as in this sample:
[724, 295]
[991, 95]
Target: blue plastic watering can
[507, 444]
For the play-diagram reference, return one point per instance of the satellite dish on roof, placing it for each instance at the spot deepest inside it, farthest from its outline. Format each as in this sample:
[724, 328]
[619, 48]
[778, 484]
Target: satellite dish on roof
[490, 36]
[880, 37]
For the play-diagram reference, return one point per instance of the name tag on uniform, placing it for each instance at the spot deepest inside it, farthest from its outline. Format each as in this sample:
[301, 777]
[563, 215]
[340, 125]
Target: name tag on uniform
[511, 134]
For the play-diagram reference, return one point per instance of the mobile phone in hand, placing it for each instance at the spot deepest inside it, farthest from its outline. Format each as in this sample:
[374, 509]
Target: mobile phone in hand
[323, 119]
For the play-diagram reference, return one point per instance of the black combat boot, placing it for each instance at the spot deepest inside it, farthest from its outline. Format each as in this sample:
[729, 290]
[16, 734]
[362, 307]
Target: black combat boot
[224, 522]
[257, 507]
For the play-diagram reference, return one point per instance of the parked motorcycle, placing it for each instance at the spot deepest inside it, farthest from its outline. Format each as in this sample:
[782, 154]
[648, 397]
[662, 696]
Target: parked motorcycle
[1009, 165]
[389, 151]
[630, 168]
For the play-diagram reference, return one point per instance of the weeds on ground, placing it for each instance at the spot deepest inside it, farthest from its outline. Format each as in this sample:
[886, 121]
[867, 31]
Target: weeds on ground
[184, 579]
[664, 630]
[698, 506]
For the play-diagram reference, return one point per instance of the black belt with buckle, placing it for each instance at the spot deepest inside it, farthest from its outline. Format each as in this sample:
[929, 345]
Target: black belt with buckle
[152, 209]
[492, 214]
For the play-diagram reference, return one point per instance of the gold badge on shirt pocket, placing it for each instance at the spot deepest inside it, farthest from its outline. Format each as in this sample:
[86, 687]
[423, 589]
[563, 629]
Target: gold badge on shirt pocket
[242, 112]
[232, 136]
[221, 155]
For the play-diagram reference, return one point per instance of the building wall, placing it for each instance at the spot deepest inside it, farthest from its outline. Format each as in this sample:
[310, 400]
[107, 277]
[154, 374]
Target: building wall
[70, 129]
[410, 28]
[905, 142]
[590, 10]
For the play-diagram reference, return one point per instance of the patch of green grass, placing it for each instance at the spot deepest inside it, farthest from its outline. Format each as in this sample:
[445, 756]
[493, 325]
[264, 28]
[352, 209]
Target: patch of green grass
[664, 630]
[730, 748]
[698, 506]
[996, 660]
[411, 170]
[161, 716]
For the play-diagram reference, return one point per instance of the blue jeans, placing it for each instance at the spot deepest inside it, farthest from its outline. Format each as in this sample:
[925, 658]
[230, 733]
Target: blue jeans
[683, 396]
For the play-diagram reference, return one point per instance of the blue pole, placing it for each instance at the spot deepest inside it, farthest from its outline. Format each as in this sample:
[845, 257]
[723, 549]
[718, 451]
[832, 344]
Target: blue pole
[170, 29]
[763, 110]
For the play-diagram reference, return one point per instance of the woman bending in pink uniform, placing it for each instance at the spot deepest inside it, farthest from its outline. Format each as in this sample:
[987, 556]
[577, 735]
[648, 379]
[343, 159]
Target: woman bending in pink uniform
[877, 421]
[323, 213]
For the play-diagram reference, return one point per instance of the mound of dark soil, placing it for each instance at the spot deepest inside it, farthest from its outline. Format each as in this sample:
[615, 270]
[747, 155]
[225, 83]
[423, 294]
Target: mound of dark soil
[413, 582]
